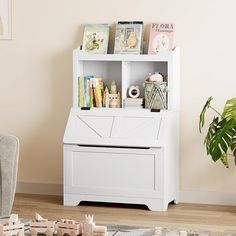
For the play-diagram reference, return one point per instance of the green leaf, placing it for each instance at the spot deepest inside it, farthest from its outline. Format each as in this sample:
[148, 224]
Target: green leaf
[230, 109]
[211, 131]
[221, 139]
[224, 160]
[221, 135]
[233, 147]
[203, 112]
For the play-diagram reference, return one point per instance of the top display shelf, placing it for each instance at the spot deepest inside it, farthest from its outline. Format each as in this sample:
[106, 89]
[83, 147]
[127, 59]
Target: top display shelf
[161, 56]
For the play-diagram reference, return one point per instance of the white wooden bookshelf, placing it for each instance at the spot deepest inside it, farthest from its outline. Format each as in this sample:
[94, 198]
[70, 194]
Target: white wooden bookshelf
[123, 155]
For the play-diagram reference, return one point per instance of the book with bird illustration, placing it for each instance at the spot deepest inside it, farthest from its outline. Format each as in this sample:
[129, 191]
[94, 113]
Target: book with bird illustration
[96, 38]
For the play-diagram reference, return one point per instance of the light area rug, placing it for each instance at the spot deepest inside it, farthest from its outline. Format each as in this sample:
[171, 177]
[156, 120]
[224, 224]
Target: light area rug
[122, 230]
[125, 230]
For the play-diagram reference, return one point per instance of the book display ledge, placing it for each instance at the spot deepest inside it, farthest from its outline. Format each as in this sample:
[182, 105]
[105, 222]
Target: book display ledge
[119, 154]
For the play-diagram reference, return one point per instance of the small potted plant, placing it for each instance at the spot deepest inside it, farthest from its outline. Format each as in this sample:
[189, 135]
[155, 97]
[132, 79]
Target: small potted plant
[220, 140]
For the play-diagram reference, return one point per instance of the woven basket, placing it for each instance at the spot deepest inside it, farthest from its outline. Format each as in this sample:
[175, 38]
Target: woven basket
[155, 95]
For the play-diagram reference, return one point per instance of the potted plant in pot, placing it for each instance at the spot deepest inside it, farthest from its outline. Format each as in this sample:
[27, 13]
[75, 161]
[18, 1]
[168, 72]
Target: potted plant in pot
[220, 140]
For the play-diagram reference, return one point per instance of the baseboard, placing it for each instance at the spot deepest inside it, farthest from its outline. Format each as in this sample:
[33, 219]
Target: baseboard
[39, 188]
[210, 197]
[185, 196]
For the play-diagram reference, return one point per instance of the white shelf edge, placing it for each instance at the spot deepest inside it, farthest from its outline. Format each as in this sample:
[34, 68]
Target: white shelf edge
[120, 112]
[161, 56]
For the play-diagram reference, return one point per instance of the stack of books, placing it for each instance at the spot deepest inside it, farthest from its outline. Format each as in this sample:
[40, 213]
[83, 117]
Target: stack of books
[90, 90]
[133, 103]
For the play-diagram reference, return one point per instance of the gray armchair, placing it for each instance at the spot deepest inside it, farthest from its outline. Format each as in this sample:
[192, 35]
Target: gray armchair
[9, 155]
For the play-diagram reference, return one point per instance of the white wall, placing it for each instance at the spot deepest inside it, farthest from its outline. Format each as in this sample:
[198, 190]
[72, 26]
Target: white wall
[36, 78]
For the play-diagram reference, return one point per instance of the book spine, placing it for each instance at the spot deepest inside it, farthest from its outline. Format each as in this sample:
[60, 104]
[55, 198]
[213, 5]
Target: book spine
[94, 94]
[88, 92]
[99, 90]
[98, 94]
[81, 91]
[85, 92]
[91, 99]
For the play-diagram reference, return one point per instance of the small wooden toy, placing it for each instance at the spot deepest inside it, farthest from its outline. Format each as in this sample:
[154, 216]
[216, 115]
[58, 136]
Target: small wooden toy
[111, 99]
[12, 227]
[66, 227]
[90, 228]
[183, 233]
[69, 227]
[158, 231]
[42, 226]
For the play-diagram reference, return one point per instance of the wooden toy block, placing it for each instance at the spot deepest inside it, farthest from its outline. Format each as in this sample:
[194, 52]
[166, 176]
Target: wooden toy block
[16, 229]
[42, 227]
[69, 227]
[66, 227]
[88, 228]
[99, 234]
[88, 225]
[99, 229]
[113, 98]
[183, 233]
[91, 229]
[13, 227]
[158, 231]
[67, 221]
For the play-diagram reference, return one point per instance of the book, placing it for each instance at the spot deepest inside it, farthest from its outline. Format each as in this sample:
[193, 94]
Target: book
[90, 90]
[98, 89]
[91, 99]
[84, 89]
[133, 103]
[96, 38]
[161, 37]
[87, 90]
[128, 37]
[81, 91]
[134, 100]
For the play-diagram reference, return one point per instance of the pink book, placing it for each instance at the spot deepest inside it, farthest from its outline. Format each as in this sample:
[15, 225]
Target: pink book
[161, 37]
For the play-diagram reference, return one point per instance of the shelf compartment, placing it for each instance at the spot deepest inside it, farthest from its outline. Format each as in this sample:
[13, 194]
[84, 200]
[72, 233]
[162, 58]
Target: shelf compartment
[108, 70]
[135, 72]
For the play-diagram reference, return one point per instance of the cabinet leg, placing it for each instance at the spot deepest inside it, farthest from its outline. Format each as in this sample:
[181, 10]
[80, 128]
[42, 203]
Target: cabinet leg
[157, 206]
[71, 200]
[176, 198]
[176, 201]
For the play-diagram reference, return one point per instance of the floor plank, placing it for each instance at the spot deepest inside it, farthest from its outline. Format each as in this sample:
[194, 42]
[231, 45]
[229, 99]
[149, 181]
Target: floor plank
[180, 216]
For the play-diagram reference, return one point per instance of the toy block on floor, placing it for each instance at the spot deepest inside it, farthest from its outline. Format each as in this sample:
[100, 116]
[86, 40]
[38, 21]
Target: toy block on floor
[13, 227]
[42, 226]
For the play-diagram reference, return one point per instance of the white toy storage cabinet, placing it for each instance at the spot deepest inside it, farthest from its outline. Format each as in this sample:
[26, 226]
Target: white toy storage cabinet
[123, 155]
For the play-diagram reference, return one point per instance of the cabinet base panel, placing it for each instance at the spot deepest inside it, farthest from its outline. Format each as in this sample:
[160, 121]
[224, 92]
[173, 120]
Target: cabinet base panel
[154, 204]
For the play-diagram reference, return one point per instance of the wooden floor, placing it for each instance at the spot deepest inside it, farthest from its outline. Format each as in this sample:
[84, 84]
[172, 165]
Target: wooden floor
[181, 216]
